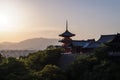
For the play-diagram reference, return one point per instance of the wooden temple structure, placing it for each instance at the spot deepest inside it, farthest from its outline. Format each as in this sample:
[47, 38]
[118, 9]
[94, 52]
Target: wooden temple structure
[114, 46]
[86, 46]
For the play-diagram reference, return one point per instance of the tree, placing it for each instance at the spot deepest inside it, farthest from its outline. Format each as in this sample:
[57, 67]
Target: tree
[38, 60]
[51, 72]
[97, 66]
[82, 65]
[50, 47]
[1, 58]
[13, 69]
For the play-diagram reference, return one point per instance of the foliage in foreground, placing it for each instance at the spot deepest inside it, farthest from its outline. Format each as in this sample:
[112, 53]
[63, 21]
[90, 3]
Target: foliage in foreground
[98, 66]
[37, 61]
[13, 69]
[26, 68]
[42, 65]
[50, 72]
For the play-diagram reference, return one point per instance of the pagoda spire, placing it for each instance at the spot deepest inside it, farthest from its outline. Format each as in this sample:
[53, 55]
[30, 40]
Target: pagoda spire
[67, 33]
[66, 25]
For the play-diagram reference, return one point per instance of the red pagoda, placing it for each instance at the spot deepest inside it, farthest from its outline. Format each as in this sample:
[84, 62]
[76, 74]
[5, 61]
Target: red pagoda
[66, 39]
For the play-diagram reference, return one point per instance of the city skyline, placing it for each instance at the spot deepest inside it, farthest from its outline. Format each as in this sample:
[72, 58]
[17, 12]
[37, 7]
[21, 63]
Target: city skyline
[24, 19]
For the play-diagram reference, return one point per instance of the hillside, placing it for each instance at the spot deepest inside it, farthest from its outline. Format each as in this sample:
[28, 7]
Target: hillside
[29, 44]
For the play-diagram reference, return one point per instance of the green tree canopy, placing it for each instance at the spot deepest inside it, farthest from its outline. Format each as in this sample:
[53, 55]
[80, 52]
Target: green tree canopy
[13, 69]
[38, 60]
[97, 66]
[51, 72]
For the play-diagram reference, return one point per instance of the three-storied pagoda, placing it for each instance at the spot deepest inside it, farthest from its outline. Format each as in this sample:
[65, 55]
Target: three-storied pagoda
[66, 39]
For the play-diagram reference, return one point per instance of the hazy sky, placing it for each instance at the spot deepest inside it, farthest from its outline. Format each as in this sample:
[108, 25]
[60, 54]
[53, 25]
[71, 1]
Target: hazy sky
[23, 19]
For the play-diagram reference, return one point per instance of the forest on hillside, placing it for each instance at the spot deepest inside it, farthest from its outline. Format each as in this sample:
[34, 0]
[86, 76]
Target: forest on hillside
[43, 65]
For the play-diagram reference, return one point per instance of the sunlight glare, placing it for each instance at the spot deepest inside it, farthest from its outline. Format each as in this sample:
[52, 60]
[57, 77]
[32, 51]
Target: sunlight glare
[3, 20]
[5, 24]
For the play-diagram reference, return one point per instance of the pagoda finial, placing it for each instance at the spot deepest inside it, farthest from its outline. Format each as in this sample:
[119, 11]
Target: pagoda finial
[66, 25]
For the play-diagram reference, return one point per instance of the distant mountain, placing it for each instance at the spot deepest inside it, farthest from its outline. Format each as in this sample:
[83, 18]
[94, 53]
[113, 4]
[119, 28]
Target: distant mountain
[29, 44]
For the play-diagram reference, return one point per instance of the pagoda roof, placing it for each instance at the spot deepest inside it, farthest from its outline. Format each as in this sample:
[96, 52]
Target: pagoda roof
[67, 34]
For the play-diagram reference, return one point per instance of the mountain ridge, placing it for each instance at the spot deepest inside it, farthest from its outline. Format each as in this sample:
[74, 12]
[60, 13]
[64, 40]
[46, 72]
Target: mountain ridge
[29, 44]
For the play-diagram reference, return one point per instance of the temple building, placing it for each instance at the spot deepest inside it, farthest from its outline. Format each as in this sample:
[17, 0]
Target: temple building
[87, 46]
[114, 45]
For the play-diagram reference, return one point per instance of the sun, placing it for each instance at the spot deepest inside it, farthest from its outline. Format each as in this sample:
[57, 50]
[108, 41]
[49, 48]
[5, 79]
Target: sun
[5, 23]
[3, 20]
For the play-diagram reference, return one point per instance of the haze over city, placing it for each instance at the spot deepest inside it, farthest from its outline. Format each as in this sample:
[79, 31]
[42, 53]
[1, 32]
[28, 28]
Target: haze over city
[25, 19]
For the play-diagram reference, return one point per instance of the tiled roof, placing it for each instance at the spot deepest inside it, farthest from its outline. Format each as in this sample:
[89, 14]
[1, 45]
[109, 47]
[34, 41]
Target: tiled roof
[67, 34]
[106, 38]
[81, 43]
[93, 45]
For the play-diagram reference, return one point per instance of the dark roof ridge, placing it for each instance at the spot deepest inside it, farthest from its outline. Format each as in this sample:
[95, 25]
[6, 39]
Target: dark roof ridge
[84, 40]
[109, 35]
[78, 40]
